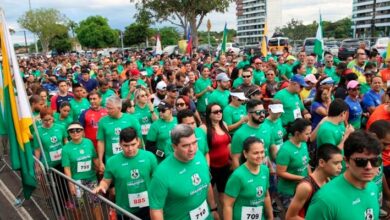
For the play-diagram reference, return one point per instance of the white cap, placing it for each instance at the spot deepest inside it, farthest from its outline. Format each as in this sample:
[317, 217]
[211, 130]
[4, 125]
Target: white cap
[161, 85]
[276, 108]
[239, 95]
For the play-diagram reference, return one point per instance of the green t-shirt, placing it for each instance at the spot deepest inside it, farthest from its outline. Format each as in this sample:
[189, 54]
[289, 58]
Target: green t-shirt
[159, 132]
[249, 190]
[242, 64]
[287, 70]
[78, 107]
[201, 137]
[258, 77]
[52, 142]
[296, 159]
[63, 122]
[331, 72]
[246, 131]
[200, 85]
[105, 96]
[144, 117]
[364, 88]
[219, 97]
[340, 200]
[292, 105]
[180, 189]
[79, 157]
[131, 177]
[232, 115]
[109, 129]
[277, 129]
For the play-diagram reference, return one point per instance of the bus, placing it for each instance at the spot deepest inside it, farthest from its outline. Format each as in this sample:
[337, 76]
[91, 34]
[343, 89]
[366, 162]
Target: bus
[278, 43]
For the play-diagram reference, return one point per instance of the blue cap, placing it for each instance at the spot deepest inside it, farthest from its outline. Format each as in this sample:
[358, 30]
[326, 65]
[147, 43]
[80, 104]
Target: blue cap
[299, 79]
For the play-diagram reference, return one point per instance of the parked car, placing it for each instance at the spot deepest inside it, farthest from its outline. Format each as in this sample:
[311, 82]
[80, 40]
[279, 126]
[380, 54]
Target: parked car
[331, 46]
[206, 49]
[230, 47]
[308, 45]
[348, 47]
[381, 44]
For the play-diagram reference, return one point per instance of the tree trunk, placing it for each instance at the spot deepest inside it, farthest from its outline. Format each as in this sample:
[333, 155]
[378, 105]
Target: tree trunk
[194, 31]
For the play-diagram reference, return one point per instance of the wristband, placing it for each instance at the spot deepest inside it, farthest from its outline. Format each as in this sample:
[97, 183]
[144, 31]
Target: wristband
[214, 209]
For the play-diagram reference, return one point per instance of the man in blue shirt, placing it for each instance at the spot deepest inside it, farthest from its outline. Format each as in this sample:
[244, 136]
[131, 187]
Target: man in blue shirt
[373, 97]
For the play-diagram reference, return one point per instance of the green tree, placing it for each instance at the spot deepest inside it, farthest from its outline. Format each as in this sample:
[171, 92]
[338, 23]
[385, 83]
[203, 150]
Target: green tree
[136, 33]
[44, 23]
[95, 32]
[61, 42]
[72, 27]
[184, 13]
[169, 36]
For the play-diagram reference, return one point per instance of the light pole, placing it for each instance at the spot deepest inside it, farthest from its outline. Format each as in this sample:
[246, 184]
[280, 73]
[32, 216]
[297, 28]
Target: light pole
[373, 19]
[35, 40]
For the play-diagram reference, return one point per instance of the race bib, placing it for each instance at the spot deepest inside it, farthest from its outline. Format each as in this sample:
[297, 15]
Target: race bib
[139, 199]
[145, 129]
[55, 155]
[83, 166]
[200, 213]
[297, 113]
[116, 148]
[251, 213]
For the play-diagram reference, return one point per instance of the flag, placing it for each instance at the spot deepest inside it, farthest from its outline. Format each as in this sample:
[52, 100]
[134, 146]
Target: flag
[189, 41]
[264, 41]
[224, 39]
[17, 112]
[319, 42]
[158, 45]
[388, 51]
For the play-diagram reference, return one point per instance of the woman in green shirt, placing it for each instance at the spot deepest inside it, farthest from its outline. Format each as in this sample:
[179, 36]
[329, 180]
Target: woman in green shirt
[79, 160]
[144, 110]
[246, 193]
[292, 160]
[64, 118]
[234, 115]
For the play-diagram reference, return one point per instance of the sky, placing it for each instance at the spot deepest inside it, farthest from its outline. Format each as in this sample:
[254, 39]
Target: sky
[120, 13]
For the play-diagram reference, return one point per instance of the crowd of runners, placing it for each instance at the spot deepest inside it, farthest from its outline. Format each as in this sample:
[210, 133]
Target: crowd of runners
[227, 137]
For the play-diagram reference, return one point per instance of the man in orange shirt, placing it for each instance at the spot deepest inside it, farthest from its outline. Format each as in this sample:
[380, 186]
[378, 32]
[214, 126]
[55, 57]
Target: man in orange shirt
[385, 74]
[382, 112]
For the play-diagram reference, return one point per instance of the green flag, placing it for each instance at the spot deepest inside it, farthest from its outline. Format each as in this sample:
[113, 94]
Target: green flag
[17, 112]
[319, 42]
[224, 39]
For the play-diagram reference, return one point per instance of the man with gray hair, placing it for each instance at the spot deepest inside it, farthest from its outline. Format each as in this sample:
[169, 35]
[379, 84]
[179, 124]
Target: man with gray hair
[109, 128]
[180, 187]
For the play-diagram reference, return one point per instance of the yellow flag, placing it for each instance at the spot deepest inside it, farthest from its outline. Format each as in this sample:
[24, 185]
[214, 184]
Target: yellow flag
[388, 51]
[264, 41]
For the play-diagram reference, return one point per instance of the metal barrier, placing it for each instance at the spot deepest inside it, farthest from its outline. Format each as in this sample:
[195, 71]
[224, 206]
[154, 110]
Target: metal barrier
[86, 204]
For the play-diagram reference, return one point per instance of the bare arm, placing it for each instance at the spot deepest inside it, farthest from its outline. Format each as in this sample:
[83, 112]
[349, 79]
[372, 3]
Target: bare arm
[72, 187]
[211, 200]
[100, 152]
[302, 193]
[228, 207]
[103, 186]
[235, 160]
[156, 214]
[268, 207]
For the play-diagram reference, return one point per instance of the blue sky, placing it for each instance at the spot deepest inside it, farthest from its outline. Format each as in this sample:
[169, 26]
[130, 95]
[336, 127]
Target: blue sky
[120, 12]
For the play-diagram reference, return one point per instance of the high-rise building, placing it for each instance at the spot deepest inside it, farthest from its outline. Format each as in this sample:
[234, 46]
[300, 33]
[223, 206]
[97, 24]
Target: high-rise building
[362, 17]
[251, 17]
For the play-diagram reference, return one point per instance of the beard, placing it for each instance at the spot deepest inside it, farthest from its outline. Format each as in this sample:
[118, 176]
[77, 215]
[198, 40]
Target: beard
[258, 121]
[160, 96]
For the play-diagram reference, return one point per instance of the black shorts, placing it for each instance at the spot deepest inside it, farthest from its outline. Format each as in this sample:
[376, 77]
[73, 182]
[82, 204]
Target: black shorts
[143, 213]
[386, 171]
[220, 176]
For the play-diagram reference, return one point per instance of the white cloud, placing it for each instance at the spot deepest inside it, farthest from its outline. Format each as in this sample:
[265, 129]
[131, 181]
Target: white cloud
[120, 13]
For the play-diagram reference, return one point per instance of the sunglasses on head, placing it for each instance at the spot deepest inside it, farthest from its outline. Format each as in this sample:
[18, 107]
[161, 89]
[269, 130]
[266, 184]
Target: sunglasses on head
[217, 111]
[259, 112]
[75, 130]
[362, 162]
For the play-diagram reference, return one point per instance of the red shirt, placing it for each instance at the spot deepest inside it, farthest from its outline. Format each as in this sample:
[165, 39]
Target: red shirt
[219, 150]
[380, 113]
[89, 119]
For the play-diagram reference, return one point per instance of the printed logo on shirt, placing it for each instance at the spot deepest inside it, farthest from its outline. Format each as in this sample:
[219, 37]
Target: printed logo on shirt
[134, 174]
[304, 160]
[259, 191]
[53, 140]
[81, 151]
[196, 179]
[117, 131]
[369, 214]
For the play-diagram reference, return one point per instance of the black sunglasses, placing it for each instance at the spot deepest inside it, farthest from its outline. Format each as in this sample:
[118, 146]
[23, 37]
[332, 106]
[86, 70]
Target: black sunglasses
[259, 112]
[247, 76]
[180, 104]
[75, 130]
[217, 111]
[362, 162]
[162, 110]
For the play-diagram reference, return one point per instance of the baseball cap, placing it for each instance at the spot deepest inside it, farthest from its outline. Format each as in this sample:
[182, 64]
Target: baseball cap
[134, 72]
[171, 87]
[222, 77]
[161, 85]
[239, 95]
[276, 108]
[252, 91]
[299, 79]
[290, 57]
[352, 84]
[327, 81]
[164, 105]
[311, 78]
